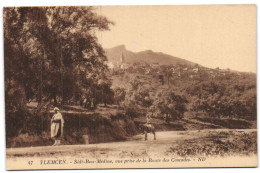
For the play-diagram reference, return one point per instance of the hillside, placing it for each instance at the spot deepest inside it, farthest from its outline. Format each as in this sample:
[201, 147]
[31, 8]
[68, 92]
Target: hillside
[114, 54]
[216, 98]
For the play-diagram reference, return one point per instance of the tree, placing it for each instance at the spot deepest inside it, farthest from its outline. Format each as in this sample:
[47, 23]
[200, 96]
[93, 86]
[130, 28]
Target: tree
[138, 98]
[225, 98]
[51, 54]
[167, 72]
[56, 48]
[170, 104]
[119, 95]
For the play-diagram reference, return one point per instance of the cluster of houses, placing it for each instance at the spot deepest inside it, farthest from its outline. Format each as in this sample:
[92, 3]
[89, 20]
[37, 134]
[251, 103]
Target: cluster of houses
[119, 64]
[175, 70]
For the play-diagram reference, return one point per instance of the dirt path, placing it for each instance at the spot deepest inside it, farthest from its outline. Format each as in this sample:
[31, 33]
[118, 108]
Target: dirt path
[132, 145]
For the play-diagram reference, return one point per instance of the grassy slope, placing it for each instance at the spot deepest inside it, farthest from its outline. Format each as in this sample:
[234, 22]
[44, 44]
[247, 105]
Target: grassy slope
[105, 124]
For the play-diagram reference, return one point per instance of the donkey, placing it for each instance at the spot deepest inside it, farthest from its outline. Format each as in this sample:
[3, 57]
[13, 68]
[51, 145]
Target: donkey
[147, 128]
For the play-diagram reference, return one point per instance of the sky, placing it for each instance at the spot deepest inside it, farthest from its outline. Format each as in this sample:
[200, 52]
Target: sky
[221, 36]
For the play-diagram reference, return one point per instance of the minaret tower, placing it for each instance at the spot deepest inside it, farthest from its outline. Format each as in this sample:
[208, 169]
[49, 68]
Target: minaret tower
[122, 59]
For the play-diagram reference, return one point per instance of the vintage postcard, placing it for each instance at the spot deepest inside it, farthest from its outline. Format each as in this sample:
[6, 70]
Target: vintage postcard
[91, 87]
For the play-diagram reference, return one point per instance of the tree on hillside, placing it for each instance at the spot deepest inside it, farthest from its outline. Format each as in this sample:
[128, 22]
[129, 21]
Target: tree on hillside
[170, 104]
[137, 98]
[167, 72]
[119, 95]
[223, 99]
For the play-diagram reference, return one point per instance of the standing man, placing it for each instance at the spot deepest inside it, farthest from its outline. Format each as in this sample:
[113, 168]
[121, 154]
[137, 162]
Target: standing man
[57, 123]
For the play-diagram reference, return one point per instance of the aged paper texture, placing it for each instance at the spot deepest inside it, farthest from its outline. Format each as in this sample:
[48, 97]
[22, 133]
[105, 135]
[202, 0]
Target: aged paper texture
[130, 87]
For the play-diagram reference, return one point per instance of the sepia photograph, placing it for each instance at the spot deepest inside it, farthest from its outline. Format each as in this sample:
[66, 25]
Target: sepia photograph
[151, 86]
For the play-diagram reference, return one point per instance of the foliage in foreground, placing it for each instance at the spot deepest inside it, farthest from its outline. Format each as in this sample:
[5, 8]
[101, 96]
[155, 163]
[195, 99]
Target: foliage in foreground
[52, 56]
[217, 144]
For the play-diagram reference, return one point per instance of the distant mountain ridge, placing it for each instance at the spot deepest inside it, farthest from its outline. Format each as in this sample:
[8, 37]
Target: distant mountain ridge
[114, 55]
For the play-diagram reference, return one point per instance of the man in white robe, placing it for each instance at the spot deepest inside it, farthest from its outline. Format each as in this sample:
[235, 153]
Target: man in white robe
[57, 124]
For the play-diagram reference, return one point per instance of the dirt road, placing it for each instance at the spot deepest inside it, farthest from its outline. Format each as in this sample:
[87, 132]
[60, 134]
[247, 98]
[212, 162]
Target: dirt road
[134, 147]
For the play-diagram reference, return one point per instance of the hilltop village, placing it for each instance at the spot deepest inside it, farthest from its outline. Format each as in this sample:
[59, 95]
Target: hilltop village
[174, 71]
